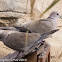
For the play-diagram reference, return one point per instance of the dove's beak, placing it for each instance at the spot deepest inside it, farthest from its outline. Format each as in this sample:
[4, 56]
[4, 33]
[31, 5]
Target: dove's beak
[61, 17]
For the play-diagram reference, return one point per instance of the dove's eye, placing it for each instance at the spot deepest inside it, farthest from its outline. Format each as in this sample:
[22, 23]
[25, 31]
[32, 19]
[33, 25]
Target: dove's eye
[57, 14]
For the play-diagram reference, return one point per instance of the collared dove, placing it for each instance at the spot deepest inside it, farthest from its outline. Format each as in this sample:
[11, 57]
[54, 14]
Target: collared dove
[17, 40]
[43, 25]
[39, 26]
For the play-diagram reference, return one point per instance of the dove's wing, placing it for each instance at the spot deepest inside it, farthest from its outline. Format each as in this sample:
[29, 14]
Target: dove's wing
[19, 42]
[40, 26]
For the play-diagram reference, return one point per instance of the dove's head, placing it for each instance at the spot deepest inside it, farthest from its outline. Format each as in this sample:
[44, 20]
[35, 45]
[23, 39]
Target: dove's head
[54, 15]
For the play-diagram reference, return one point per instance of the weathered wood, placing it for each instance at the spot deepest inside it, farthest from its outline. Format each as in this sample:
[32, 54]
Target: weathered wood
[46, 53]
[49, 57]
[9, 56]
[32, 57]
[42, 53]
[40, 49]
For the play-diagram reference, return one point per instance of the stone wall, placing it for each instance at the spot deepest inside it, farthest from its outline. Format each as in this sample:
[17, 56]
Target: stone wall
[22, 9]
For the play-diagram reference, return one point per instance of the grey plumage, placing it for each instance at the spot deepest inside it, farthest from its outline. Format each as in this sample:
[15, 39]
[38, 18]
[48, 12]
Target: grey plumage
[17, 40]
[43, 25]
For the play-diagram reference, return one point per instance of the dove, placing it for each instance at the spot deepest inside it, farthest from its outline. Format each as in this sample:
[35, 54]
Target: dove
[17, 40]
[43, 25]
[39, 26]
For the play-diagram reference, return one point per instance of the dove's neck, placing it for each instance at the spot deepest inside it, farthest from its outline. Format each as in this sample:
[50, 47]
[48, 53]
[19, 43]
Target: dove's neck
[53, 18]
[54, 22]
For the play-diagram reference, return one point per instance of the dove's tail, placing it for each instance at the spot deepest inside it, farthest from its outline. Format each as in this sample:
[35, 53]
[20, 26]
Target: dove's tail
[51, 32]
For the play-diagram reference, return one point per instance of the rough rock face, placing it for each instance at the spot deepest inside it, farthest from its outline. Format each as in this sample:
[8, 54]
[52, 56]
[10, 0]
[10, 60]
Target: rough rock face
[13, 5]
[13, 8]
[24, 5]
[23, 8]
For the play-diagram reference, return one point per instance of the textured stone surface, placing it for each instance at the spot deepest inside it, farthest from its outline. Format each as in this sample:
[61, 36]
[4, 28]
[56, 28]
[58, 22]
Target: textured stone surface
[13, 5]
[24, 6]
[11, 14]
[23, 9]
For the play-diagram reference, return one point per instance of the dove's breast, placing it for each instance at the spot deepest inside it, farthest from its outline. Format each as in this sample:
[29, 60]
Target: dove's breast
[55, 24]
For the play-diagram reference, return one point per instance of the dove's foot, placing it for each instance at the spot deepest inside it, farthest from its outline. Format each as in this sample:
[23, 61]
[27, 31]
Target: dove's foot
[42, 42]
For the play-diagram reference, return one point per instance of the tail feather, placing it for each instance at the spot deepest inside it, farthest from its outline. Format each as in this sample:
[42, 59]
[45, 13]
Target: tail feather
[43, 36]
[53, 31]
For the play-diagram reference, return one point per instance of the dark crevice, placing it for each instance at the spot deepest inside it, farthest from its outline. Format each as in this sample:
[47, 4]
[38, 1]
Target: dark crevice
[8, 18]
[14, 11]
